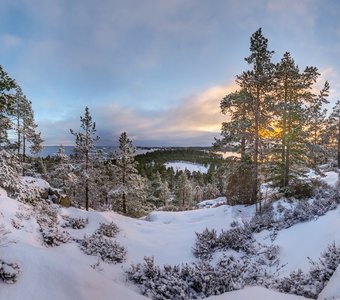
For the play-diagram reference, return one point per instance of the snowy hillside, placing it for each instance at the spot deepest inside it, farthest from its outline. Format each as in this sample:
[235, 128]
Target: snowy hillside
[66, 272]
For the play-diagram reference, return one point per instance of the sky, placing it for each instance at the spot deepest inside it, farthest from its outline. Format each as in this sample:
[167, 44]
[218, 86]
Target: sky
[156, 69]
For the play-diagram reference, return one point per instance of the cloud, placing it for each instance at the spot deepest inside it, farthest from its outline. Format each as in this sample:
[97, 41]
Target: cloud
[194, 121]
[9, 41]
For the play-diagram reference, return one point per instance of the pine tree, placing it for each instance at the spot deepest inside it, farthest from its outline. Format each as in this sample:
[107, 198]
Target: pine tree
[334, 129]
[316, 124]
[128, 187]
[165, 193]
[85, 140]
[36, 143]
[18, 104]
[183, 190]
[156, 189]
[258, 83]
[293, 94]
[7, 85]
[237, 132]
[29, 126]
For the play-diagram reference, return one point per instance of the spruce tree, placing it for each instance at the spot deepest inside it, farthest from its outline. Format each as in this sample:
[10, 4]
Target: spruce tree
[85, 140]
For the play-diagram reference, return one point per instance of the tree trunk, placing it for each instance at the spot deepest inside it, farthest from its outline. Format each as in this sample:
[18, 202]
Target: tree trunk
[284, 139]
[256, 151]
[87, 194]
[87, 180]
[18, 128]
[287, 160]
[339, 144]
[124, 196]
[124, 203]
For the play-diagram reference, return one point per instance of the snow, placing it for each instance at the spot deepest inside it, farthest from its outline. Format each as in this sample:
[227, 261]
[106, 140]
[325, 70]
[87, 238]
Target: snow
[332, 289]
[255, 293]
[37, 182]
[3, 193]
[331, 178]
[65, 272]
[212, 203]
[304, 240]
[185, 165]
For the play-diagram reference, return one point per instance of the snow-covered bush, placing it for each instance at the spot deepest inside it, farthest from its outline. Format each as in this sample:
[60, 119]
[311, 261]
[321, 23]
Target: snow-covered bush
[75, 223]
[47, 218]
[323, 269]
[47, 215]
[263, 220]
[108, 250]
[9, 171]
[312, 283]
[206, 243]
[197, 280]
[297, 283]
[109, 230]
[238, 238]
[9, 272]
[299, 211]
[54, 236]
[301, 189]
[16, 224]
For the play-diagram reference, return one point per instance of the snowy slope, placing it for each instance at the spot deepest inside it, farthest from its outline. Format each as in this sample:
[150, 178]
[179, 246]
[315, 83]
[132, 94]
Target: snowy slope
[250, 293]
[65, 272]
[332, 289]
[304, 240]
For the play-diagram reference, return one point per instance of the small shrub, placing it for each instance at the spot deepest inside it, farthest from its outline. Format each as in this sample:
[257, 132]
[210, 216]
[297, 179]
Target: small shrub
[108, 250]
[206, 243]
[75, 223]
[239, 238]
[108, 230]
[9, 272]
[300, 189]
[54, 237]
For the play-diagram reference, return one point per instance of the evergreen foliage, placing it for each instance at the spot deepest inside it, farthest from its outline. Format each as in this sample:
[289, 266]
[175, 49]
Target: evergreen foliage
[84, 144]
[129, 188]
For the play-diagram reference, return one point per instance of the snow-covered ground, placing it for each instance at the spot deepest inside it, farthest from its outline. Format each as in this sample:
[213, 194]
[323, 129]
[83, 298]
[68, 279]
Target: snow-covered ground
[65, 272]
[185, 165]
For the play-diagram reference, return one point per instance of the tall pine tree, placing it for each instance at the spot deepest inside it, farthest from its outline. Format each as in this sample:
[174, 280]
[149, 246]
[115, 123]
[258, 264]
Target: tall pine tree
[85, 140]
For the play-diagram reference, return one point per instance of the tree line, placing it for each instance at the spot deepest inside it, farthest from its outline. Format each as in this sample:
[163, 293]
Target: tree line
[277, 121]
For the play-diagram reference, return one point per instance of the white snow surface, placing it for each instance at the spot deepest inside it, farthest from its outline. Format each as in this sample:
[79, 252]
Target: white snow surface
[308, 239]
[185, 165]
[332, 289]
[212, 203]
[36, 182]
[250, 293]
[331, 178]
[65, 272]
